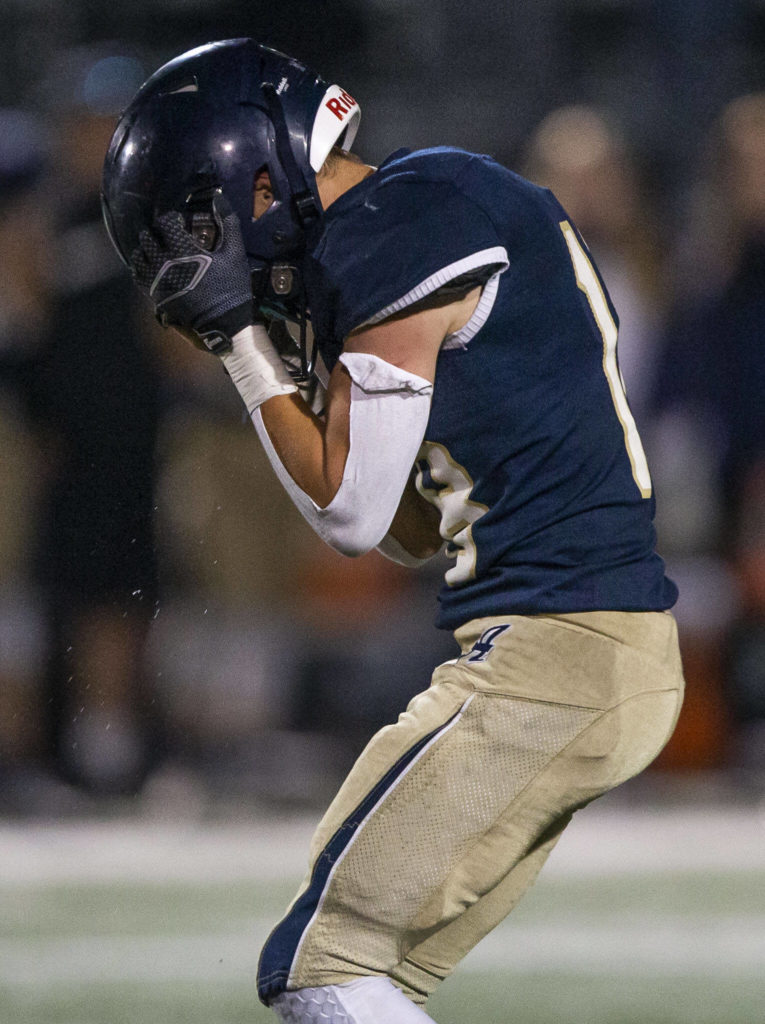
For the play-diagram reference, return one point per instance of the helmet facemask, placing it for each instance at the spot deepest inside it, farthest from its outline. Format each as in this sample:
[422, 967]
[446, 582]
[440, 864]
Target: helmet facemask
[215, 118]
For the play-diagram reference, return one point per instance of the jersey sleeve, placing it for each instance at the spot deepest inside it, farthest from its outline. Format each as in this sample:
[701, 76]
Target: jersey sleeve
[407, 241]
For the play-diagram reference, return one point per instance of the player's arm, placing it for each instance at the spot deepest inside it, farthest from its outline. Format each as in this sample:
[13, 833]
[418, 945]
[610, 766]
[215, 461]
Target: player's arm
[413, 536]
[346, 473]
[304, 442]
[408, 339]
[314, 451]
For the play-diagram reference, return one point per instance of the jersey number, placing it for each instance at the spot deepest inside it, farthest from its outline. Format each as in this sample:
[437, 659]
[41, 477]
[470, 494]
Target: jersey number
[447, 485]
[589, 283]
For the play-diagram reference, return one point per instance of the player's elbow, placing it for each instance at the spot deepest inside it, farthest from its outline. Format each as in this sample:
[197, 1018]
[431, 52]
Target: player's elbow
[352, 536]
[352, 550]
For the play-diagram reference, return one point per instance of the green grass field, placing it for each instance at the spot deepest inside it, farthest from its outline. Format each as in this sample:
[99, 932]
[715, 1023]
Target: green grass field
[641, 917]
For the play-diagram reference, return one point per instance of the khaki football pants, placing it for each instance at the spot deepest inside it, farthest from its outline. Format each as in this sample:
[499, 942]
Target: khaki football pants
[448, 815]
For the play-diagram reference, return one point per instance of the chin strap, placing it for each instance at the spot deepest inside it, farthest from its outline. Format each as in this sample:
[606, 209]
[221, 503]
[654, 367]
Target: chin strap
[307, 361]
[305, 210]
[302, 198]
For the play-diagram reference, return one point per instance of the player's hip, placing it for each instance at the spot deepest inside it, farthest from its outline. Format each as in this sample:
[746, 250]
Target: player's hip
[586, 659]
[482, 769]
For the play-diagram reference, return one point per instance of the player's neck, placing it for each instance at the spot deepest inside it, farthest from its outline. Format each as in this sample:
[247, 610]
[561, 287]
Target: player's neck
[343, 177]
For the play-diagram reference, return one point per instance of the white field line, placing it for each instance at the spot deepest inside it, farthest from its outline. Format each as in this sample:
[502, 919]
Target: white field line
[670, 945]
[138, 852]
[603, 841]
[659, 945]
[599, 842]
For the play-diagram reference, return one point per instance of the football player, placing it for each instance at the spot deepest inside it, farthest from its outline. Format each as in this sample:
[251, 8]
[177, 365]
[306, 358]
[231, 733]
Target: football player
[473, 399]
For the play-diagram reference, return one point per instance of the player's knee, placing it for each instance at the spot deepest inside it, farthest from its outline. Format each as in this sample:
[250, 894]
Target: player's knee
[364, 1001]
[310, 1004]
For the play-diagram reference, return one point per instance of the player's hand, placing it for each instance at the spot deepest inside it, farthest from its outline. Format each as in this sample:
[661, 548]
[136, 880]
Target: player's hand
[193, 289]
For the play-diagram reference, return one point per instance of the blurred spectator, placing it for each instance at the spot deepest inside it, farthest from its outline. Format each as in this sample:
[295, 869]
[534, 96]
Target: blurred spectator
[583, 158]
[226, 638]
[97, 395]
[25, 312]
[257, 640]
[368, 646]
[238, 666]
[715, 333]
[711, 399]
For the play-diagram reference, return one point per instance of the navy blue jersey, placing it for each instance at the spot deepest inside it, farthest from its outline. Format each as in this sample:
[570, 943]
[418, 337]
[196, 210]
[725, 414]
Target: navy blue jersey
[531, 453]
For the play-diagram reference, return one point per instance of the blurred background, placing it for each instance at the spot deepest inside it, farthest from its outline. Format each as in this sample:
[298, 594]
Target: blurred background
[176, 646]
[170, 632]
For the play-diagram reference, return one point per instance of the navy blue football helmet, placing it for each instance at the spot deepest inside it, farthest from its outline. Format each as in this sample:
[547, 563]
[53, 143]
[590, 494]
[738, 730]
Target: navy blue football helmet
[216, 118]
